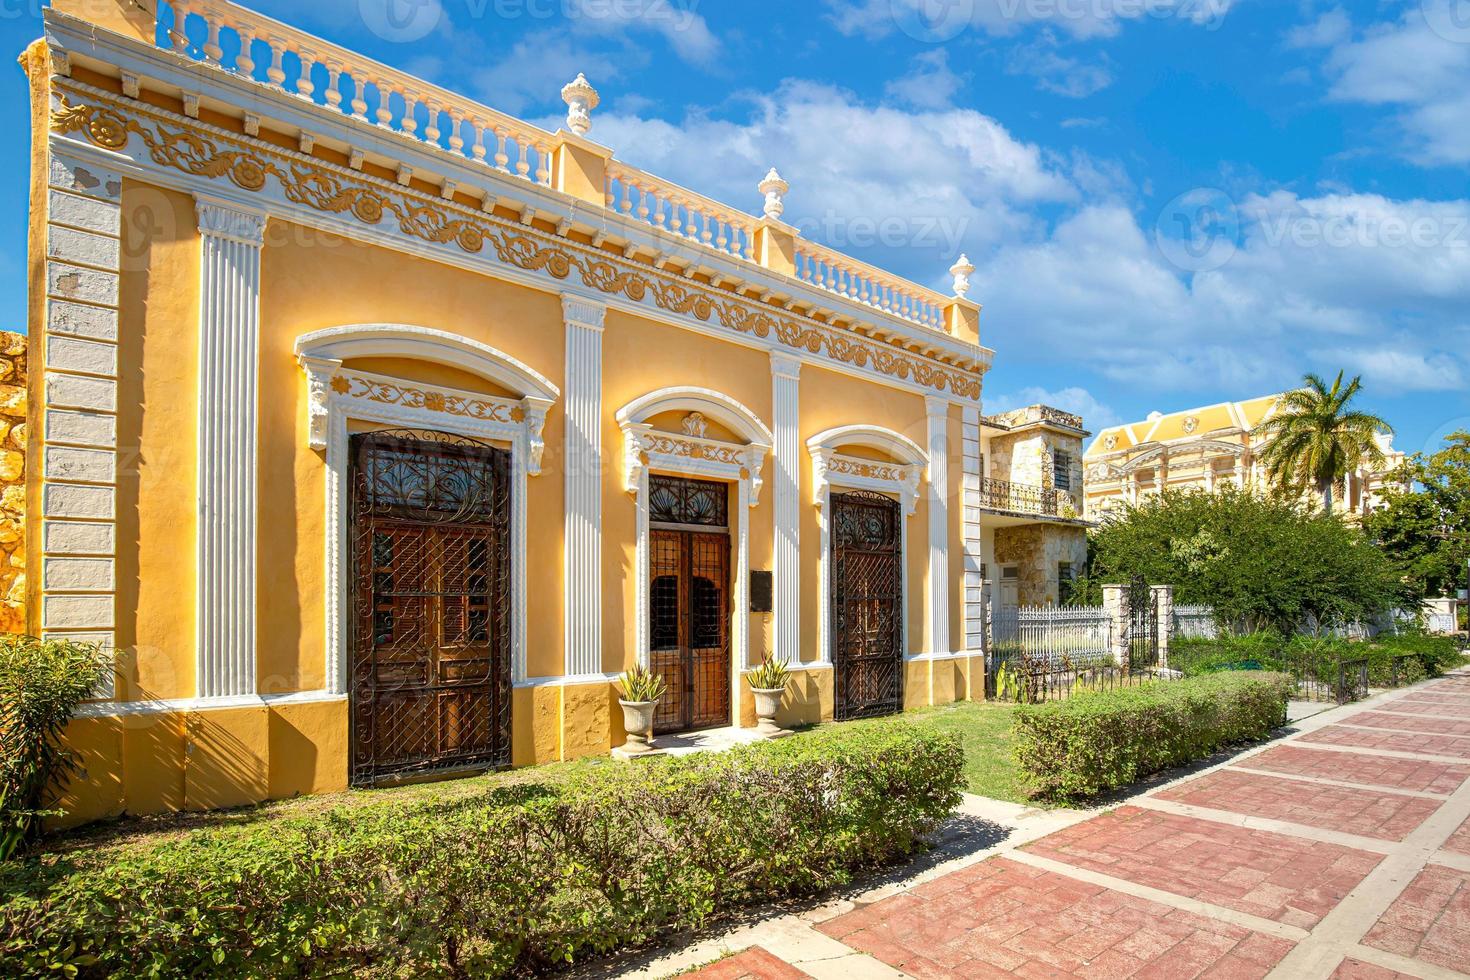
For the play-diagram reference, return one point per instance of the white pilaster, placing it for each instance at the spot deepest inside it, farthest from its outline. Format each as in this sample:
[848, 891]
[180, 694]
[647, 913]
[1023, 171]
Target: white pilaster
[785, 482]
[583, 534]
[970, 501]
[937, 410]
[229, 346]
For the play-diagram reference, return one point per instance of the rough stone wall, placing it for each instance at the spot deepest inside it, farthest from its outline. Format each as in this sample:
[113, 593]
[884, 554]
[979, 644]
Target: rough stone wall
[1026, 458]
[1036, 550]
[12, 482]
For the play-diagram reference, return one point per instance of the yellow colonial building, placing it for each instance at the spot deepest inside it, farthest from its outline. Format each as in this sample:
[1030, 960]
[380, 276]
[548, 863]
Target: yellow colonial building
[1205, 448]
[377, 431]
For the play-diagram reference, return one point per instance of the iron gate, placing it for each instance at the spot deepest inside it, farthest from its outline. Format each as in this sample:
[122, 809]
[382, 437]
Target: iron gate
[1143, 625]
[689, 601]
[867, 604]
[430, 646]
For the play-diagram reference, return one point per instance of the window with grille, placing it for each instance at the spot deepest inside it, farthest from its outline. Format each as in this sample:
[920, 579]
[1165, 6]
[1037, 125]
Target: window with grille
[1062, 470]
[1066, 582]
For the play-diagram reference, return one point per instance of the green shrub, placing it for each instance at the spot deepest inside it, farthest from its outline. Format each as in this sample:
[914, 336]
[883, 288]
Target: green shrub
[1106, 740]
[41, 684]
[1419, 656]
[511, 880]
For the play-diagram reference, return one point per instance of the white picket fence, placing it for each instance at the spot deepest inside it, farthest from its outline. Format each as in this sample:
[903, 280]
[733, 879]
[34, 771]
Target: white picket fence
[1195, 623]
[1079, 634]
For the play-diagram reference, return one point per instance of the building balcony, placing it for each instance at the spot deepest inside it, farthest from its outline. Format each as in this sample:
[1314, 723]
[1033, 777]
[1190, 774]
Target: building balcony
[1004, 497]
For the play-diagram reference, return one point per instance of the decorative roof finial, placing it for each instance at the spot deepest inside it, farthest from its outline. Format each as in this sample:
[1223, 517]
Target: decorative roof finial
[773, 187]
[581, 98]
[962, 270]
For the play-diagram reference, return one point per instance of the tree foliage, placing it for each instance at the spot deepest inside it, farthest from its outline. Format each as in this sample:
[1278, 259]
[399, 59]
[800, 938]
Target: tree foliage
[1260, 562]
[1425, 522]
[1316, 438]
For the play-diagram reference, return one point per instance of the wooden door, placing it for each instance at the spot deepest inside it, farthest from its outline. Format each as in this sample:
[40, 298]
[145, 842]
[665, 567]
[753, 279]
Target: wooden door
[689, 604]
[867, 604]
[430, 657]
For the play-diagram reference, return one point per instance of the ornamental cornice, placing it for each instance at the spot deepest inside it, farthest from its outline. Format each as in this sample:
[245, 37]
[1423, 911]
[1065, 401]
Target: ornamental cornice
[645, 447]
[211, 153]
[831, 468]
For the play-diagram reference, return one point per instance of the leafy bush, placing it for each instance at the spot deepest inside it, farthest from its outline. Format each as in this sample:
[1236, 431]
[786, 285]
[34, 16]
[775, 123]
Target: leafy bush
[511, 880]
[1261, 562]
[1101, 741]
[41, 684]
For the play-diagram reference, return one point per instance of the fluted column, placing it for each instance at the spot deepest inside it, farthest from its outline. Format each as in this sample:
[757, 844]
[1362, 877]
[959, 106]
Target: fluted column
[583, 533]
[229, 344]
[786, 408]
[937, 410]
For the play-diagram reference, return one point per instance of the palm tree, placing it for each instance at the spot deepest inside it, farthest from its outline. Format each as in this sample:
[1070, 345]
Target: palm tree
[1315, 439]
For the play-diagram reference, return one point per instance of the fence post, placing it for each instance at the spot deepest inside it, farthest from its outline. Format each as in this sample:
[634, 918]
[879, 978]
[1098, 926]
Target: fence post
[1164, 603]
[1115, 604]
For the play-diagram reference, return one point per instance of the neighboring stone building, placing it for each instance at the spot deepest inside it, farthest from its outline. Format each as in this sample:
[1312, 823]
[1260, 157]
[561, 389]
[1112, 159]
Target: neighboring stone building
[1031, 502]
[13, 402]
[1205, 448]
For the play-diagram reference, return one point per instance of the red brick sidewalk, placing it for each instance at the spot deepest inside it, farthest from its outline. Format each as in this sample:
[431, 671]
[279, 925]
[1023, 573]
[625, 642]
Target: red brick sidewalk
[1340, 853]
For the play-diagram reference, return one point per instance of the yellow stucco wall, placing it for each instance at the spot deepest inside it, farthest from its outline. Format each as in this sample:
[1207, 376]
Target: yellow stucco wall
[310, 280]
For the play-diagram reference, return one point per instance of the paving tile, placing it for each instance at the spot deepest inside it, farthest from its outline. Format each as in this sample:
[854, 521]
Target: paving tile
[1400, 721]
[754, 963]
[1449, 705]
[1459, 842]
[1025, 922]
[1449, 746]
[1351, 969]
[1369, 770]
[1429, 921]
[1303, 879]
[1368, 812]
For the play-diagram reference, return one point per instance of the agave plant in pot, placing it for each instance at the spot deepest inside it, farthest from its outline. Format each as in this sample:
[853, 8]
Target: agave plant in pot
[768, 684]
[642, 689]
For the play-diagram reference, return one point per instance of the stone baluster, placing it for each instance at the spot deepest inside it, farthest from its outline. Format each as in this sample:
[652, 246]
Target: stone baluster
[245, 60]
[432, 132]
[334, 84]
[305, 87]
[276, 72]
[410, 123]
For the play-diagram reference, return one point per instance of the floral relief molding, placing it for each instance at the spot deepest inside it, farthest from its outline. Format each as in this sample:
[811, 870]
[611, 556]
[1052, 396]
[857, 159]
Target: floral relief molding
[188, 149]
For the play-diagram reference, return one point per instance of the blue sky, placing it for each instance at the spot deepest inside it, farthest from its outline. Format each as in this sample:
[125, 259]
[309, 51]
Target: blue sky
[1169, 202]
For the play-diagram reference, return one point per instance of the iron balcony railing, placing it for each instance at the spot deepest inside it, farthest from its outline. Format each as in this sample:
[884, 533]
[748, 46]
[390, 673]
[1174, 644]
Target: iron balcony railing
[1020, 498]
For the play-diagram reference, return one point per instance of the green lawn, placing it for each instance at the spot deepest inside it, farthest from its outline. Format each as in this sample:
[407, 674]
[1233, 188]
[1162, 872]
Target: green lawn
[985, 728]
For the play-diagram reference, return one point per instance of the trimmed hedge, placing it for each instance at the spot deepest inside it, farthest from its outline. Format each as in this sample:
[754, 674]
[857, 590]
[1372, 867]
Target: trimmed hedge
[1419, 655]
[511, 880]
[1100, 741]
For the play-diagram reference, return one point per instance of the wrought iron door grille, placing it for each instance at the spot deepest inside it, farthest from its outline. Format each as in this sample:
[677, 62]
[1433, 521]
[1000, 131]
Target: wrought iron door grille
[431, 572]
[867, 604]
[672, 500]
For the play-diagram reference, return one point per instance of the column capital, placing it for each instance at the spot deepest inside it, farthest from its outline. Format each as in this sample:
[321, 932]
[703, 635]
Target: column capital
[219, 219]
[785, 366]
[936, 405]
[583, 312]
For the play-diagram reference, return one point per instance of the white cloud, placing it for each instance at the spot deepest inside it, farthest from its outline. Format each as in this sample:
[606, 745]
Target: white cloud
[1404, 370]
[941, 20]
[1331, 28]
[930, 84]
[533, 72]
[1058, 73]
[914, 186]
[1420, 68]
[1078, 401]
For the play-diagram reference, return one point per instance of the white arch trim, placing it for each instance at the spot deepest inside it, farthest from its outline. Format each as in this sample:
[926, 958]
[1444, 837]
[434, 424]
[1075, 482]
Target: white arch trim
[713, 404]
[426, 344]
[900, 479]
[338, 394]
[900, 447]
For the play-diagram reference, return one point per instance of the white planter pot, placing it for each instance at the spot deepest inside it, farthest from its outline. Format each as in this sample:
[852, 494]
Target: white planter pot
[638, 723]
[767, 703]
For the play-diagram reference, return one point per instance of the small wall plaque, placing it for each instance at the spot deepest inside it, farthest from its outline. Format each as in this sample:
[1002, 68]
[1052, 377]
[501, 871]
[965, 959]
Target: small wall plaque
[761, 591]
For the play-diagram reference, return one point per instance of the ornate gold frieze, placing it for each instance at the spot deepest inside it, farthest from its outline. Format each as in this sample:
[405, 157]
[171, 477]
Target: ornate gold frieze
[870, 471]
[189, 149]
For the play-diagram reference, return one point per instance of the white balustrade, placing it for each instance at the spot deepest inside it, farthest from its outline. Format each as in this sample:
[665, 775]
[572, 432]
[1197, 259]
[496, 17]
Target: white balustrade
[859, 282]
[680, 211]
[267, 51]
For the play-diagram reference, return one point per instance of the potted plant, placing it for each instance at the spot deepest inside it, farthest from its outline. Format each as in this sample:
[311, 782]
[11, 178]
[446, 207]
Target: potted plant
[768, 684]
[642, 689]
